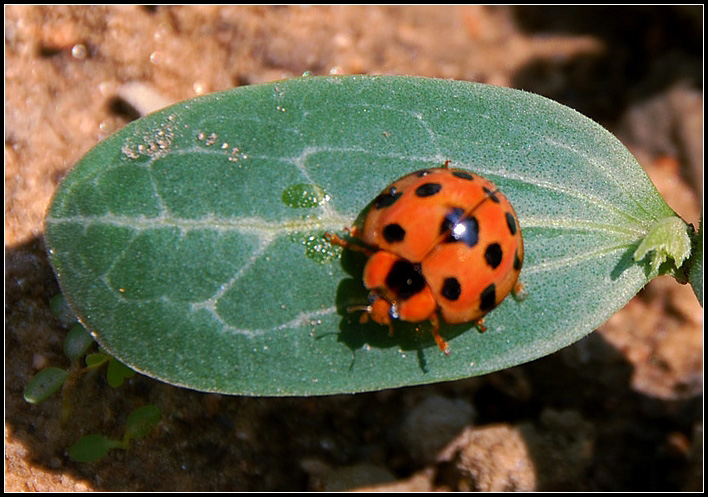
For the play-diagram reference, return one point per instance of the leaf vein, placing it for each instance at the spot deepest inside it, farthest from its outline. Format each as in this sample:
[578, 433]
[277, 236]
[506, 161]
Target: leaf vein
[572, 260]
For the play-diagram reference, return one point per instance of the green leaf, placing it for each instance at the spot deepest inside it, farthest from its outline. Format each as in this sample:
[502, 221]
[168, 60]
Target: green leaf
[44, 384]
[91, 448]
[96, 360]
[667, 241]
[141, 422]
[61, 309]
[117, 372]
[190, 242]
[77, 342]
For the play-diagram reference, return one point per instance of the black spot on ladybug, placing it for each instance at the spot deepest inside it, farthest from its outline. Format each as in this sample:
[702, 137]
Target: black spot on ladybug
[388, 198]
[488, 299]
[493, 255]
[405, 279]
[428, 189]
[517, 261]
[511, 222]
[463, 175]
[393, 233]
[460, 229]
[451, 289]
[491, 195]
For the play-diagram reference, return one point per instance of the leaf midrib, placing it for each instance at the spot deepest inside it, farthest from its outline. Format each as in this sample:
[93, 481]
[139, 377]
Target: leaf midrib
[330, 220]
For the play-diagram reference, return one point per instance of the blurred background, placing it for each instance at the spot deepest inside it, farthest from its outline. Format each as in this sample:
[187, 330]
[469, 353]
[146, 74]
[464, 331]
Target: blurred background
[621, 410]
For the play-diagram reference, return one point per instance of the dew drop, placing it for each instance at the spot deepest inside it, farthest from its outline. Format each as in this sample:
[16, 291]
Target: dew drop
[303, 195]
[207, 140]
[319, 250]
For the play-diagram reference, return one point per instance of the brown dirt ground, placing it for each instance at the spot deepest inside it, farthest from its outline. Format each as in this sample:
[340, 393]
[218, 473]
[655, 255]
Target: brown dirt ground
[619, 410]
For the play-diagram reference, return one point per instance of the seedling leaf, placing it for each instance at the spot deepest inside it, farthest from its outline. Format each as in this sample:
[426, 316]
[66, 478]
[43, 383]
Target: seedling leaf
[96, 360]
[191, 242]
[141, 422]
[92, 448]
[61, 309]
[45, 383]
[77, 342]
[117, 373]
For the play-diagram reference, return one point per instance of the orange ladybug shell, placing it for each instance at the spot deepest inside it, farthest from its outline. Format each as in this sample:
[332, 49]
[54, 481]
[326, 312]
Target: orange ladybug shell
[406, 217]
[462, 231]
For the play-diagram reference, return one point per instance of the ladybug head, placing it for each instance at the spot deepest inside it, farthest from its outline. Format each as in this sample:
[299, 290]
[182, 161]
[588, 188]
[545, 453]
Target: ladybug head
[380, 309]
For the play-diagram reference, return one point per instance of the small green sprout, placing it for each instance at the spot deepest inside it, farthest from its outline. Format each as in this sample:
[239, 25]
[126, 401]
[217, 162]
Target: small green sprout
[61, 310]
[44, 384]
[78, 341]
[668, 244]
[91, 448]
[116, 373]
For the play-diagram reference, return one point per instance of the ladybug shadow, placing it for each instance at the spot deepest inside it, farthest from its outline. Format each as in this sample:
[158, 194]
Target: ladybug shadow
[355, 334]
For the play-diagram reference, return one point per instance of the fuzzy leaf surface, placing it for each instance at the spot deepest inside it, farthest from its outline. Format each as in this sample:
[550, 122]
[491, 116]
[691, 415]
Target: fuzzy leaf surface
[190, 242]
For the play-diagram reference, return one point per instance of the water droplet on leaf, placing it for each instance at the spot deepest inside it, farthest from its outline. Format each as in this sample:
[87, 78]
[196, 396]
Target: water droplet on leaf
[303, 195]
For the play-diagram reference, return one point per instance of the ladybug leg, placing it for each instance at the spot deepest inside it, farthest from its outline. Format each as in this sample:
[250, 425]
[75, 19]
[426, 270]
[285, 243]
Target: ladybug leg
[519, 292]
[336, 240]
[435, 330]
[479, 324]
[390, 329]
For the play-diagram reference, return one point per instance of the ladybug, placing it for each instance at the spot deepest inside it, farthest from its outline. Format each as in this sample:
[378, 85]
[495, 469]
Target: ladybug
[441, 242]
